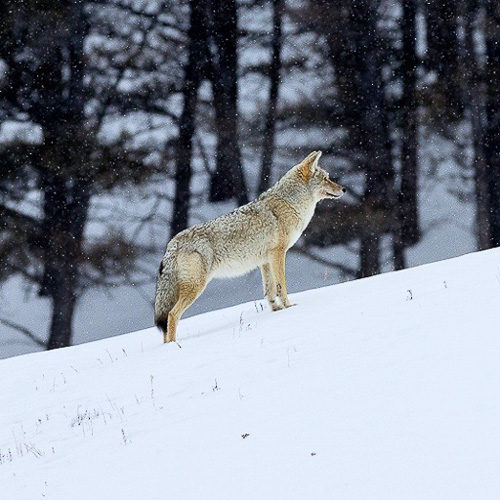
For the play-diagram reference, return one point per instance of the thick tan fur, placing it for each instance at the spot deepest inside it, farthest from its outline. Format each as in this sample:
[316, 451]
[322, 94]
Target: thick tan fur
[255, 235]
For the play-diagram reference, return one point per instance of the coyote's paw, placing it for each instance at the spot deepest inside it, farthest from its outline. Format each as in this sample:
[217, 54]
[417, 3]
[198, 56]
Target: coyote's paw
[275, 306]
[167, 339]
[289, 304]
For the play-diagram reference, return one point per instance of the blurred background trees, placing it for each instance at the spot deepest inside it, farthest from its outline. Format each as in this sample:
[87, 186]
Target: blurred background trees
[214, 100]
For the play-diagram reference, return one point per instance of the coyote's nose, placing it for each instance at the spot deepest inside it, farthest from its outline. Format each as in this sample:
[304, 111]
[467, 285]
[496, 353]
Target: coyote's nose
[344, 190]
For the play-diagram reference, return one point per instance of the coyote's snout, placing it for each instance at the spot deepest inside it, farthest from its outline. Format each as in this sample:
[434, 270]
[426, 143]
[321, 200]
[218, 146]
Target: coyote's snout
[255, 235]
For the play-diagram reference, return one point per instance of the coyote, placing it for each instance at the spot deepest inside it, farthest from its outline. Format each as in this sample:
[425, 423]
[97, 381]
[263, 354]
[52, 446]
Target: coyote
[254, 235]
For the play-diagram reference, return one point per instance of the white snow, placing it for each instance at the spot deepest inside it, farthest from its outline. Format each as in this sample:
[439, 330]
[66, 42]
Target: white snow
[382, 388]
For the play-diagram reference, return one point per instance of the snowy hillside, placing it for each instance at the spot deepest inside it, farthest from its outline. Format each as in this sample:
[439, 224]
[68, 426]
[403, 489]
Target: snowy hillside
[382, 388]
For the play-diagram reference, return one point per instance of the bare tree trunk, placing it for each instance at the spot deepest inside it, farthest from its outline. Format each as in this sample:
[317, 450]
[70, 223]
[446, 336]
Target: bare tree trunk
[372, 128]
[61, 322]
[10, 42]
[369, 256]
[477, 112]
[274, 77]
[443, 49]
[64, 168]
[228, 180]
[492, 143]
[358, 65]
[409, 230]
[61, 278]
[192, 78]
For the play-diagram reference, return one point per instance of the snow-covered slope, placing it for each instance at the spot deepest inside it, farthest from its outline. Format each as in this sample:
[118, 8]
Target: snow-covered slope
[382, 388]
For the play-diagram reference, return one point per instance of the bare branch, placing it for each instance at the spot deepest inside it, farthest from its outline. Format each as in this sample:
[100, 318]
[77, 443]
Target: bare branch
[157, 17]
[307, 253]
[24, 331]
[154, 20]
[9, 213]
[203, 153]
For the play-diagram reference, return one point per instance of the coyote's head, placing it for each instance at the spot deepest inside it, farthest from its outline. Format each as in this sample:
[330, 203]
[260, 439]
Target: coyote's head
[317, 180]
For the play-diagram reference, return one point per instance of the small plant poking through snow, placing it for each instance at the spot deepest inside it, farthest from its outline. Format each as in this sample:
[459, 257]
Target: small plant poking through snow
[125, 438]
[85, 420]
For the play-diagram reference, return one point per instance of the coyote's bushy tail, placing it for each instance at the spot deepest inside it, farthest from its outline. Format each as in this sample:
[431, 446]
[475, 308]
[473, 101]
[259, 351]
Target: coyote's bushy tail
[166, 290]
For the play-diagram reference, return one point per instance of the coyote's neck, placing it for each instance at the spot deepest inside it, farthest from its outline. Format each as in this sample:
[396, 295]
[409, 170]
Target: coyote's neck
[295, 193]
[298, 197]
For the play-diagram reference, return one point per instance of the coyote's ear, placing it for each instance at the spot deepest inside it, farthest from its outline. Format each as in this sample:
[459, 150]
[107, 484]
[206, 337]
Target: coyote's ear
[309, 164]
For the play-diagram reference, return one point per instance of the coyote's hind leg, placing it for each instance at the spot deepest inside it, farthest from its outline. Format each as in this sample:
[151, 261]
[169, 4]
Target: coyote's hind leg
[192, 280]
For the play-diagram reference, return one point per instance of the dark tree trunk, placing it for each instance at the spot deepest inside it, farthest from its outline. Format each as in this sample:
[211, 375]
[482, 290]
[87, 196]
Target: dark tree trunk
[477, 114]
[371, 131]
[68, 209]
[358, 70]
[274, 80]
[443, 49]
[492, 142]
[197, 58]
[228, 180]
[79, 26]
[61, 321]
[12, 38]
[65, 176]
[369, 256]
[409, 230]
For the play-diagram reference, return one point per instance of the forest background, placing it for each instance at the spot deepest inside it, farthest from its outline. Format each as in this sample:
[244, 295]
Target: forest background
[124, 121]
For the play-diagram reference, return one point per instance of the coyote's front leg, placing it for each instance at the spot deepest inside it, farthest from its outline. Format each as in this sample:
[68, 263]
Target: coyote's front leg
[269, 286]
[277, 266]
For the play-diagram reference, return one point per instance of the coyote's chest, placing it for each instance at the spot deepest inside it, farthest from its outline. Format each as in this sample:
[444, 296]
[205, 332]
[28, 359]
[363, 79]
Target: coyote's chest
[302, 223]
